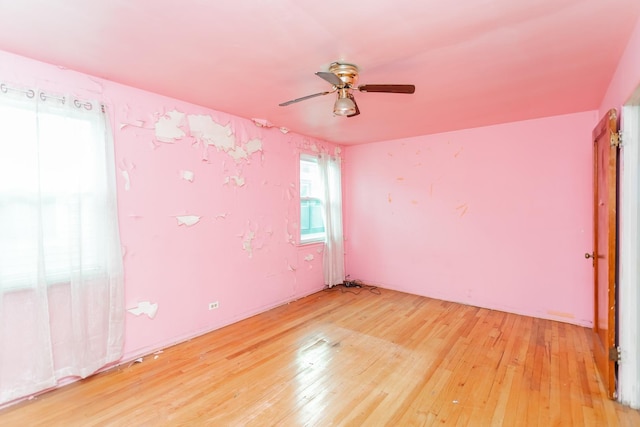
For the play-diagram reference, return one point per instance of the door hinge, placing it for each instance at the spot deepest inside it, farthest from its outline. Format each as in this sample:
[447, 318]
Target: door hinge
[616, 139]
[615, 354]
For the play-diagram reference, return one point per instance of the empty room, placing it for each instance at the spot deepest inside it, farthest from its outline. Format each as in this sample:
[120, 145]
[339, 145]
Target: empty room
[297, 213]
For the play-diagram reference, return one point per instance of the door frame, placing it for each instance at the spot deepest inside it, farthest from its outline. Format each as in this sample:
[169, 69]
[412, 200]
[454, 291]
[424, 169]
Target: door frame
[629, 270]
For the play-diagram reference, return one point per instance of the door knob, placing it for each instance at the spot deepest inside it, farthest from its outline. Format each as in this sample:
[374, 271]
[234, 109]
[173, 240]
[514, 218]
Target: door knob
[589, 255]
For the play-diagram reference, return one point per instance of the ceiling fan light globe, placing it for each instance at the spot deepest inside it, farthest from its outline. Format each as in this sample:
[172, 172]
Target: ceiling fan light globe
[344, 107]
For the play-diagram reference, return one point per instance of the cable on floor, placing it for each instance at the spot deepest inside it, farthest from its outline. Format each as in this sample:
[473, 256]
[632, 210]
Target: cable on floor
[353, 287]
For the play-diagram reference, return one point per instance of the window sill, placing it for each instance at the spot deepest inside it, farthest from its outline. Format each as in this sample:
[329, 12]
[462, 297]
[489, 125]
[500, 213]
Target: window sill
[308, 242]
[53, 281]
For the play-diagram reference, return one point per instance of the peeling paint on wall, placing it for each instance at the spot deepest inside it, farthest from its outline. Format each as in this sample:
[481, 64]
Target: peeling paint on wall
[462, 209]
[187, 175]
[263, 123]
[308, 257]
[307, 145]
[127, 180]
[291, 193]
[144, 307]
[210, 133]
[251, 239]
[236, 179]
[133, 123]
[125, 168]
[253, 146]
[289, 237]
[187, 220]
[204, 129]
[247, 240]
[238, 154]
[168, 127]
[98, 85]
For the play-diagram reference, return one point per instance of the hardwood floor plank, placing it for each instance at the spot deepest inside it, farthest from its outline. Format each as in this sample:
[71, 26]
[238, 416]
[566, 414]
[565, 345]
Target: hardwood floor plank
[337, 358]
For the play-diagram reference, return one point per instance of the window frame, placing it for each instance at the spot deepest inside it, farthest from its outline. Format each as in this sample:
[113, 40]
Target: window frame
[312, 238]
[96, 267]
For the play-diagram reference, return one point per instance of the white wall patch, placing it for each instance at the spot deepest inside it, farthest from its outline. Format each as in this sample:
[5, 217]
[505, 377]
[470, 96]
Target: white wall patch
[127, 180]
[238, 154]
[237, 180]
[247, 244]
[209, 132]
[187, 220]
[133, 123]
[144, 307]
[253, 145]
[168, 127]
[187, 175]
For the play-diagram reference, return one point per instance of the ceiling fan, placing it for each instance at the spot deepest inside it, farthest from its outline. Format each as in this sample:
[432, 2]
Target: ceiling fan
[343, 77]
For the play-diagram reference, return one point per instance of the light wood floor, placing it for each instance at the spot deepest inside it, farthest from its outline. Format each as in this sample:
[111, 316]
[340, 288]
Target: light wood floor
[337, 358]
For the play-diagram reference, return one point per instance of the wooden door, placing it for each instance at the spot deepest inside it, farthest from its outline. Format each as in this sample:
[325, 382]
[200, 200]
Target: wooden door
[605, 159]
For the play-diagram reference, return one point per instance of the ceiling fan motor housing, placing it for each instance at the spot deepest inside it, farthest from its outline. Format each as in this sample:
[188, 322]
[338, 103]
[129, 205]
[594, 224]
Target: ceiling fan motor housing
[348, 73]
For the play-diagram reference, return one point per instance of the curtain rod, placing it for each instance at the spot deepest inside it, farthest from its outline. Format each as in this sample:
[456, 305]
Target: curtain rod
[30, 93]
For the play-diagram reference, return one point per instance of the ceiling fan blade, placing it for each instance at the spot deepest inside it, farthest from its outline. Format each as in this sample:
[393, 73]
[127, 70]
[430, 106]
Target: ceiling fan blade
[284, 104]
[356, 104]
[387, 88]
[330, 77]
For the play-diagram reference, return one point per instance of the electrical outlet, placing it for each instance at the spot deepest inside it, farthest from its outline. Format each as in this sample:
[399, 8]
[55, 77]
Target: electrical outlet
[213, 305]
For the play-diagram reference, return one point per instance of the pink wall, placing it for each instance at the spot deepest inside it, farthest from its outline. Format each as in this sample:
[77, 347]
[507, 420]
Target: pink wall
[497, 217]
[184, 268]
[627, 76]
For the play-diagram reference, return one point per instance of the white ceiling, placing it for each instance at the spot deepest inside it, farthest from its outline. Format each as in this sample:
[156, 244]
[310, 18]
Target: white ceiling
[474, 62]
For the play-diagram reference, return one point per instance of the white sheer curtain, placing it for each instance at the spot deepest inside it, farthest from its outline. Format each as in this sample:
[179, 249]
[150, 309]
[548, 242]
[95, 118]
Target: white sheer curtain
[61, 274]
[333, 261]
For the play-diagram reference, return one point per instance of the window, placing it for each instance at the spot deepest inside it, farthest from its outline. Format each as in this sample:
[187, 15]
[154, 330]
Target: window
[321, 211]
[311, 204]
[51, 195]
